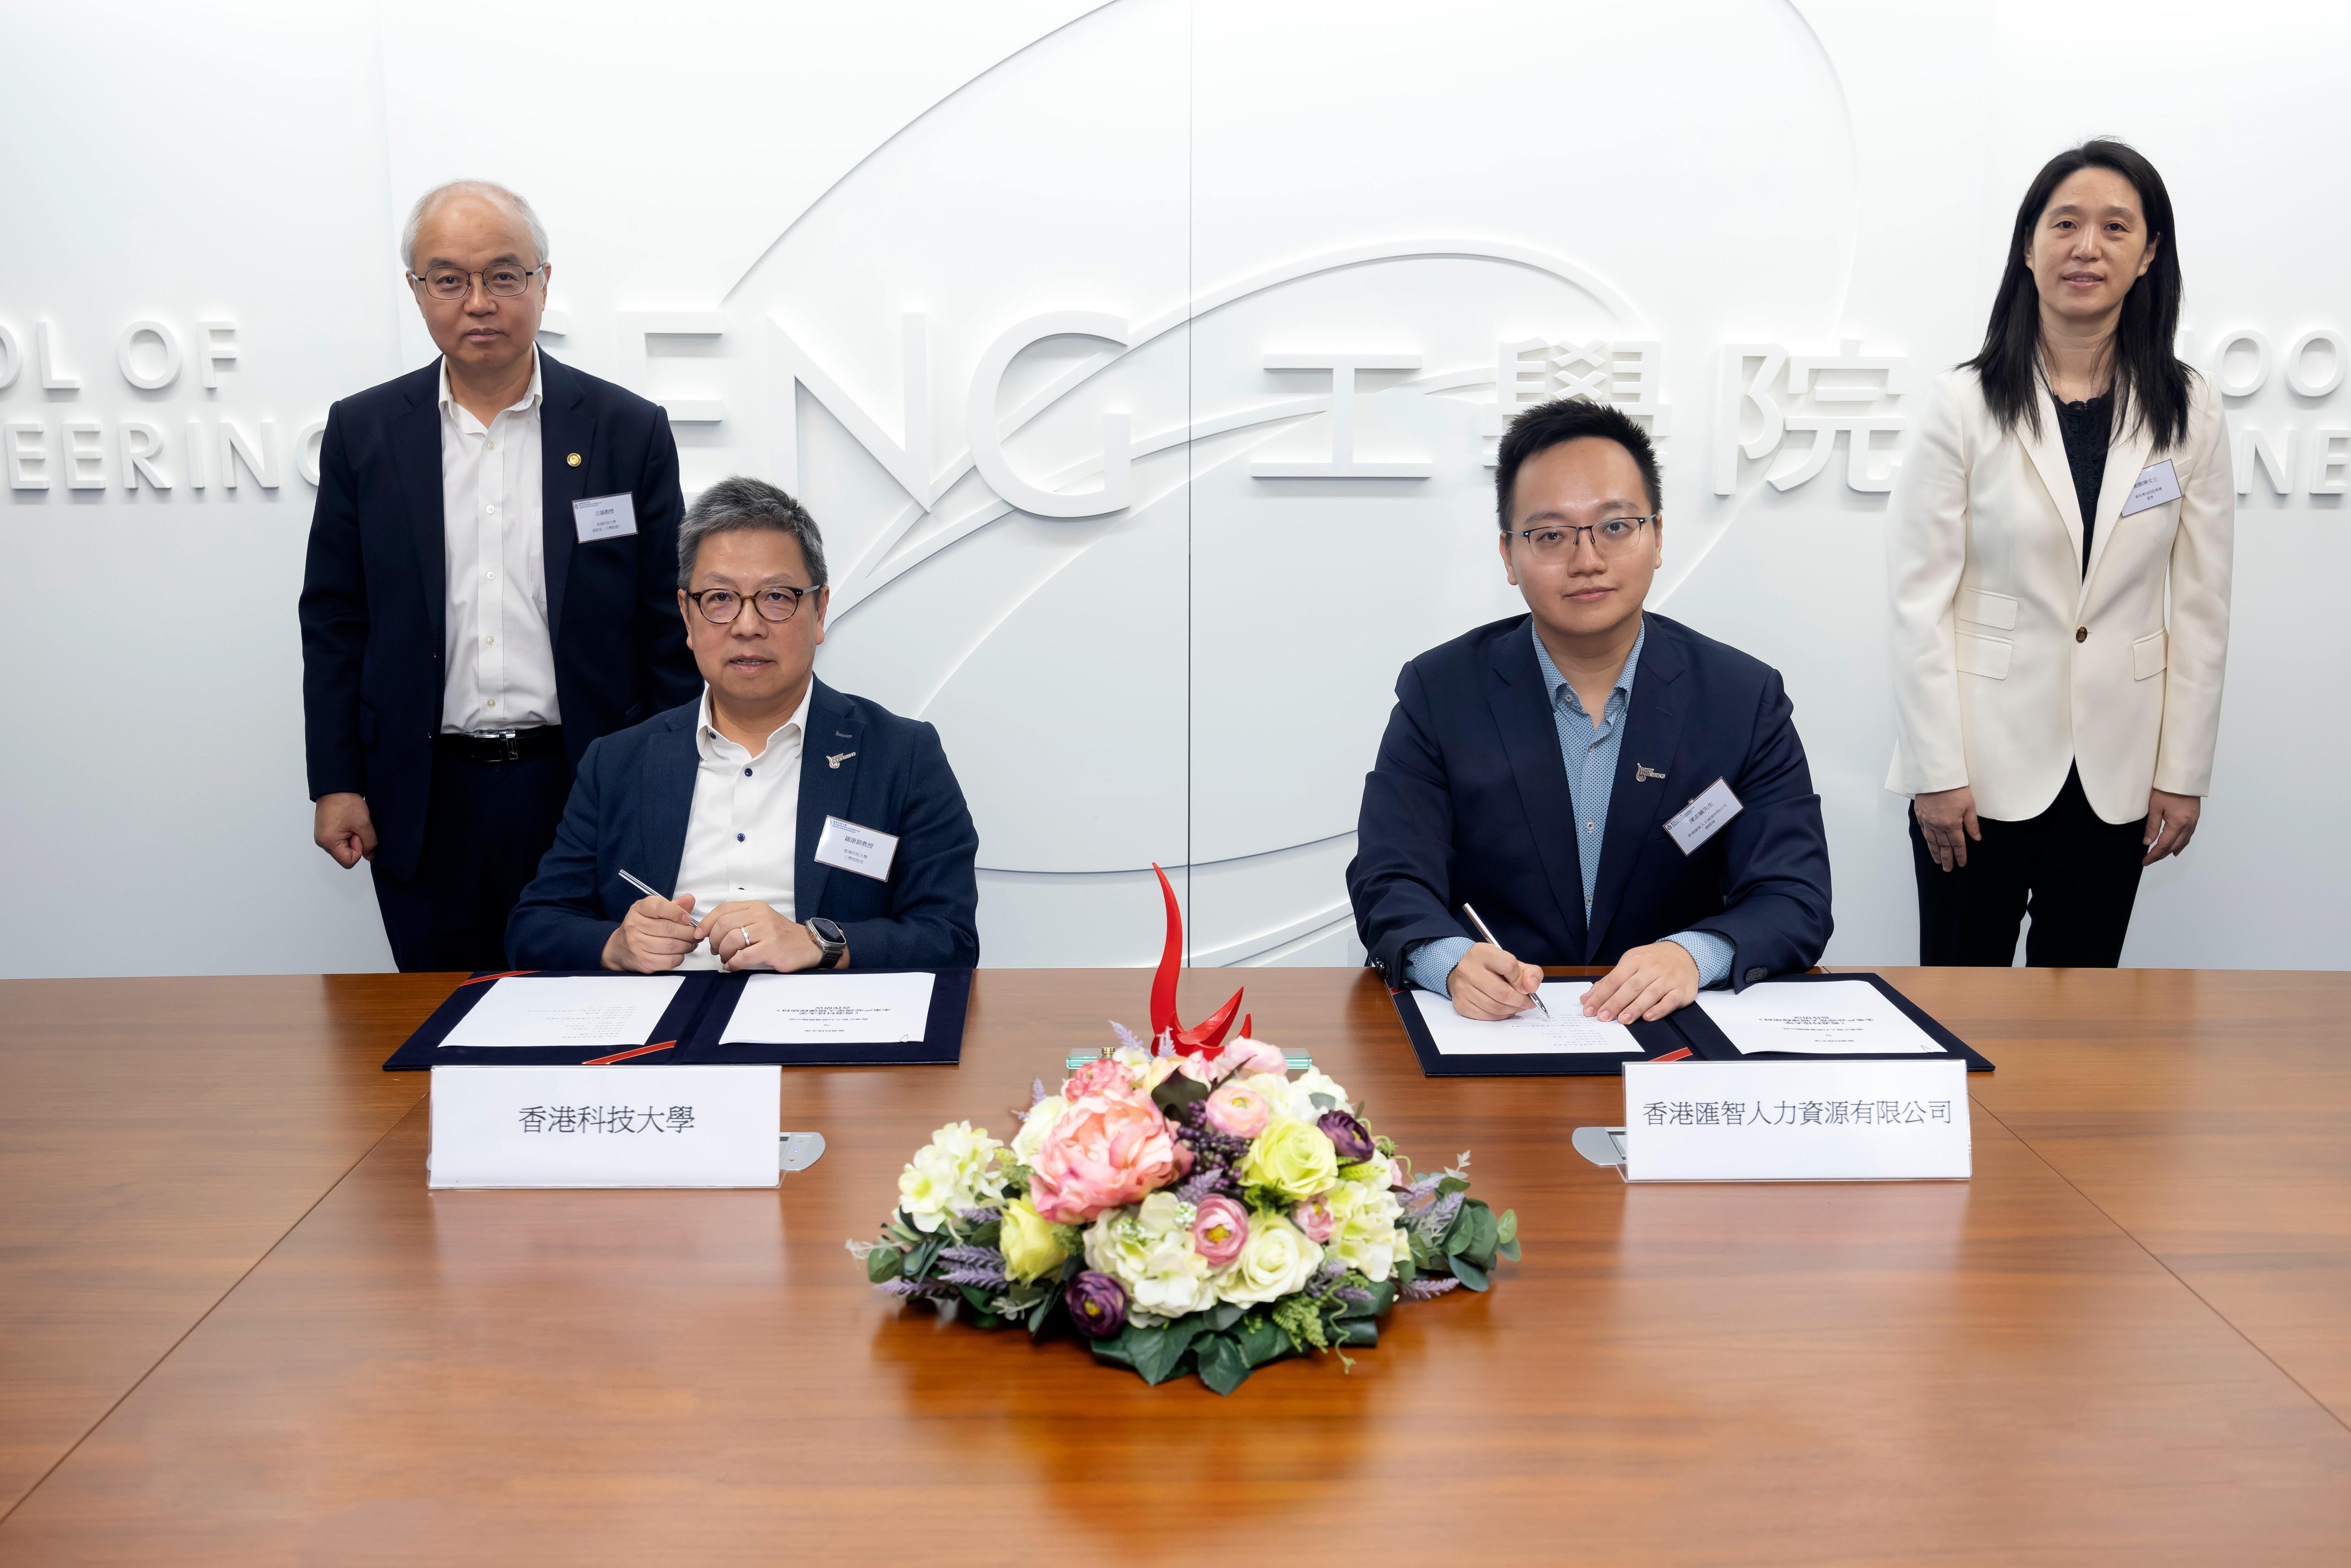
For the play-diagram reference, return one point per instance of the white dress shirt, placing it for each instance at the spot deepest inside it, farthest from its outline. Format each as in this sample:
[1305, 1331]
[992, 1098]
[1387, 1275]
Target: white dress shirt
[744, 827]
[500, 658]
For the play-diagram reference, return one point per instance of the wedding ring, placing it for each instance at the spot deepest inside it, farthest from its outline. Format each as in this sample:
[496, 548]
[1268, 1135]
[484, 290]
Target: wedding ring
[745, 933]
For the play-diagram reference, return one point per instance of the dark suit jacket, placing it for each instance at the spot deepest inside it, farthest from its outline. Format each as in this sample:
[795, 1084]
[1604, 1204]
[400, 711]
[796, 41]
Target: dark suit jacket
[375, 602]
[636, 790]
[1469, 801]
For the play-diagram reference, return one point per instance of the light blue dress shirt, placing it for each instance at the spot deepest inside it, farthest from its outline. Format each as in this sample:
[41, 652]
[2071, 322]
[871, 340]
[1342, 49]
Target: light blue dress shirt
[1589, 754]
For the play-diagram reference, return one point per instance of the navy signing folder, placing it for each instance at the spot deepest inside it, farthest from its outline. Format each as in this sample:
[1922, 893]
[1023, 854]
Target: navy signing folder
[1708, 1042]
[687, 1032]
[1654, 1041]
[1688, 1033]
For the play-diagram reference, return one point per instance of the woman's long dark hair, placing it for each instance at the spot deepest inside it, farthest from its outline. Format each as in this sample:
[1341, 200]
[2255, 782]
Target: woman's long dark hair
[2150, 385]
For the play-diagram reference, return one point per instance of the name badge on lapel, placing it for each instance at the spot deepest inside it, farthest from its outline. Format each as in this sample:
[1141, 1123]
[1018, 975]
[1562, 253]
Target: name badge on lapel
[852, 848]
[605, 517]
[2157, 482]
[1703, 817]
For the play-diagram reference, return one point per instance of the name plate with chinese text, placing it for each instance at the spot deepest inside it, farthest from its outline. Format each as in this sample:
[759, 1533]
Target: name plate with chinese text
[1797, 1121]
[605, 1126]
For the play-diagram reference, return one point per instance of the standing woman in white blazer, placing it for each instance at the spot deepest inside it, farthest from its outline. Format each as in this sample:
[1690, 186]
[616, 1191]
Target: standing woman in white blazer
[2060, 550]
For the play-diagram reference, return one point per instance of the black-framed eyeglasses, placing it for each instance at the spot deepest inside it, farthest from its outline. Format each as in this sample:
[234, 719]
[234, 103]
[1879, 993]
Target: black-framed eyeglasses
[1611, 537]
[720, 605]
[504, 280]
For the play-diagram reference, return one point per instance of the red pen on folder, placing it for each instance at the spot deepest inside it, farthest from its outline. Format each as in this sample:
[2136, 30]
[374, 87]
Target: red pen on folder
[624, 1055]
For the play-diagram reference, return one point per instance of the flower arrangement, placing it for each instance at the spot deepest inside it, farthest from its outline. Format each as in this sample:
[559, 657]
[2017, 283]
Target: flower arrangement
[1186, 1204]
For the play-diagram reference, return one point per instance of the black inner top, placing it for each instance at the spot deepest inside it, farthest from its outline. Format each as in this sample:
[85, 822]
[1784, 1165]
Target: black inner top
[2087, 427]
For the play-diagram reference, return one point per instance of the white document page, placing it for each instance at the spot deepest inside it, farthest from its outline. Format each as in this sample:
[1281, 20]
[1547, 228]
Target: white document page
[568, 1009]
[810, 1009]
[1829, 1017]
[1530, 1033]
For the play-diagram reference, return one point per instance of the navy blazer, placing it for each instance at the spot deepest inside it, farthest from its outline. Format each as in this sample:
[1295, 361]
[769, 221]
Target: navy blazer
[375, 597]
[1468, 803]
[636, 790]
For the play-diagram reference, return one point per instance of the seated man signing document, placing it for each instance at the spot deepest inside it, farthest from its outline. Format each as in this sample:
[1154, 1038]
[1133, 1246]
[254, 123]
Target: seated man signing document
[1558, 771]
[796, 827]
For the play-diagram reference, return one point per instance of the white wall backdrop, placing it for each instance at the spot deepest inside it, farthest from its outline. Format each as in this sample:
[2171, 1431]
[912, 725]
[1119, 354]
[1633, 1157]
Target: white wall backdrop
[1052, 312]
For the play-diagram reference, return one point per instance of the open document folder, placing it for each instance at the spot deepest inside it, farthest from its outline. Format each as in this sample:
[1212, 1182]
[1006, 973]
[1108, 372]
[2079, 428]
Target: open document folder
[1530, 1033]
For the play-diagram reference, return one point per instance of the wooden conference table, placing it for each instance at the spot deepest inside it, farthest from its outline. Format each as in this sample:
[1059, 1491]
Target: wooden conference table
[234, 1327]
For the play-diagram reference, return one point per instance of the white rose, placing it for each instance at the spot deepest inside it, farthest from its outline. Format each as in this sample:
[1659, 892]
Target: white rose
[1276, 1261]
[958, 1169]
[1035, 1125]
[1365, 1237]
[1295, 1098]
[1148, 1249]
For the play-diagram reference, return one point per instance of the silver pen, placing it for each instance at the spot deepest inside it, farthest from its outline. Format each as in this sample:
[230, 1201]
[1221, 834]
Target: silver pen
[692, 918]
[1480, 925]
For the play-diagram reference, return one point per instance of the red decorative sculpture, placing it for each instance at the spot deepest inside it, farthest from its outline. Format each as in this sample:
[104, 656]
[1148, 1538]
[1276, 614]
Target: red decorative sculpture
[1205, 1038]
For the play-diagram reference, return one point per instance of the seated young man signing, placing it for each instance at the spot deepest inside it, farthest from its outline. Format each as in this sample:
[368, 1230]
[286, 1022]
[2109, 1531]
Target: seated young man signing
[1530, 767]
[798, 826]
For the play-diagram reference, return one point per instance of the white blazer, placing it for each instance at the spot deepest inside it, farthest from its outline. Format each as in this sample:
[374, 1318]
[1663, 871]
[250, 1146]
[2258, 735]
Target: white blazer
[2010, 663]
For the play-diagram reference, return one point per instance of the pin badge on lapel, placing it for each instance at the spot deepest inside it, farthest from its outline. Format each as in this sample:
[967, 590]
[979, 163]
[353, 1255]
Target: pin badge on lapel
[837, 758]
[1643, 773]
[573, 459]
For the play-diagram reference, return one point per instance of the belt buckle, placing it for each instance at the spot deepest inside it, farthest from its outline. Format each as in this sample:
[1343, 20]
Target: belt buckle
[504, 737]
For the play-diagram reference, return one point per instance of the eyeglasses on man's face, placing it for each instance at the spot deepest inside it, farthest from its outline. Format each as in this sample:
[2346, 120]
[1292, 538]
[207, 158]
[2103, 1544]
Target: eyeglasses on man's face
[721, 605]
[504, 280]
[1612, 538]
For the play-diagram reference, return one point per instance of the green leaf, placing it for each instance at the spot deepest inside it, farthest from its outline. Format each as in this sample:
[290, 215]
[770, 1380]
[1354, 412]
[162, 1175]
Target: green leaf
[1224, 1316]
[1508, 1249]
[1044, 1310]
[1508, 1232]
[1357, 1332]
[1224, 1366]
[1261, 1342]
[885, 1262]
[1462, 1232]
[1179, 1091]
[1468, 1273]
[1384, 1143]
[1421, 1254]
[1448, 1186]
[1114, 1350]
[1485, 1237]
[1322, 1102]
[1407, 1270]
[1156, 1351]
[919, 1260]
[1383, 1295]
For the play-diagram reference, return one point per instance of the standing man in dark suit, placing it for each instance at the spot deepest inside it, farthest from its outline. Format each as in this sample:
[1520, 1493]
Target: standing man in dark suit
[1536, 768]
[795, 827]
[487, 590]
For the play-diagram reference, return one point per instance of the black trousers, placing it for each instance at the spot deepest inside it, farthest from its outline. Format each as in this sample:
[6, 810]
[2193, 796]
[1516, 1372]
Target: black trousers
[488, 826]
[2076, 876]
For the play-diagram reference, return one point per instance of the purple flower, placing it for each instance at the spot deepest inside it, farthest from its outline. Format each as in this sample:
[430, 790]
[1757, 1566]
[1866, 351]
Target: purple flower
[1097, 1304]
[1348, 1136]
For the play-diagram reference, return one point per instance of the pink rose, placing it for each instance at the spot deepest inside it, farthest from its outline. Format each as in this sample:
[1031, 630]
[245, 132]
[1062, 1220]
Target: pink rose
[1238, 1111]
[1099, 1076]
[1107, 1149]
[1314, 1217]
[1251, 1056]
[1219, 1231]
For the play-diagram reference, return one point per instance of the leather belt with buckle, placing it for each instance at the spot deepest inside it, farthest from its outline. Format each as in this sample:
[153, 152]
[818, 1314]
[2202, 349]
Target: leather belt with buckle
[502, 745]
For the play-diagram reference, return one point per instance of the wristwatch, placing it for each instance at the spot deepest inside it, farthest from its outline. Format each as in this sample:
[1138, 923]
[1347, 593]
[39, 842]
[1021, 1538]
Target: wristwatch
[831, 941]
